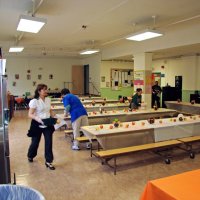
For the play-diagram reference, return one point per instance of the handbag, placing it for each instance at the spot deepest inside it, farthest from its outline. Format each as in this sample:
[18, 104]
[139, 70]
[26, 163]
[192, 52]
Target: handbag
[49, 121]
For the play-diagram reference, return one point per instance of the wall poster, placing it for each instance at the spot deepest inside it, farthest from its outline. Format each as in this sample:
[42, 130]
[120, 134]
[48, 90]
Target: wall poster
[39, 76]
[28, 76]
[121, 78]
[50, 76]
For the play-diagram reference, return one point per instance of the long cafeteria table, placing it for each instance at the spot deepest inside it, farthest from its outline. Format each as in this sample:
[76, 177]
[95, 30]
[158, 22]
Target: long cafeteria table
[142, 132]
[88, 102]
[185, 107]
[107, 117]
[89, 108]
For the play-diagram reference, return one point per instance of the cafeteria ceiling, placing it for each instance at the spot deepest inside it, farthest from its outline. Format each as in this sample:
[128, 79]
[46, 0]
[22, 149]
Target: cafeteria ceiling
[74, 25]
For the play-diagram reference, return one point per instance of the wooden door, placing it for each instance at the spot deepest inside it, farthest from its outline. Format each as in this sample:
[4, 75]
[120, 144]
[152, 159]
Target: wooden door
[77, 79]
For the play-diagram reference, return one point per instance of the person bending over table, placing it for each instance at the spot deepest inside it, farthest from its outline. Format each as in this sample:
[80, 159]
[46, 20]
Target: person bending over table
[79, 117]
[136, 99]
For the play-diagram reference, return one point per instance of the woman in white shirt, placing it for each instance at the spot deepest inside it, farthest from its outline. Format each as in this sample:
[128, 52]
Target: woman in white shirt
[39, 109]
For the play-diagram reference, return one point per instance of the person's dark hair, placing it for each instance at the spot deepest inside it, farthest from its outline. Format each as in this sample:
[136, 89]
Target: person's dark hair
[38, 89]
[138, 89]
[65, 91]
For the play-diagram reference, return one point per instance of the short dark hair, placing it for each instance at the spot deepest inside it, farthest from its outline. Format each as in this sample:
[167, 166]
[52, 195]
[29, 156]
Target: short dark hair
[65, 91]
[138, 89]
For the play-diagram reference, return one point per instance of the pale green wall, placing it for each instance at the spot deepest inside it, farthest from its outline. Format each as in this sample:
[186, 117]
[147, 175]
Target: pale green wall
[186, 95]
[113, 94]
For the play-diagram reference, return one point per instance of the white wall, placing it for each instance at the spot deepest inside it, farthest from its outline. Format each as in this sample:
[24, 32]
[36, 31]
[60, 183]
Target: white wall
[106, 67]
[188, 67]
[59, 67]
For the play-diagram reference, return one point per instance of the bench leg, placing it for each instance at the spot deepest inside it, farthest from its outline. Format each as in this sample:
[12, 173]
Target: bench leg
[188, 149]
[91, 149]
[164, 153]
[115, 165]
[98, 146]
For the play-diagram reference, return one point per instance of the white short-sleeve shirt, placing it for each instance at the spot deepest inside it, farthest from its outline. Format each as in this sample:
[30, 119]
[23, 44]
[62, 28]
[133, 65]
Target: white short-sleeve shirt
[42, 108]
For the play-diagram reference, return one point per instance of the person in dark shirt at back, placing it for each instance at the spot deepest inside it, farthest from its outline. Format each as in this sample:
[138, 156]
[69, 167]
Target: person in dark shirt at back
[156, 91]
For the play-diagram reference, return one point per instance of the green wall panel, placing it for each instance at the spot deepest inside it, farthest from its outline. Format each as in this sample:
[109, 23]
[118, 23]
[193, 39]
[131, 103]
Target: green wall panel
[186, 95]
[113, 94]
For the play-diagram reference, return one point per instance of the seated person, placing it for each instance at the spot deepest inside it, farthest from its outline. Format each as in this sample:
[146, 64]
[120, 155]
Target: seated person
[136, 99]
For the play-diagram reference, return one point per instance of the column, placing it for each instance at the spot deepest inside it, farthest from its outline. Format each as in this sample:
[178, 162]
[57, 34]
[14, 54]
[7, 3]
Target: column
[142, 75]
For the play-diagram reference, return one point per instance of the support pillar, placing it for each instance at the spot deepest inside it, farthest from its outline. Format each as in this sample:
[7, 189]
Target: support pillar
[143, 75]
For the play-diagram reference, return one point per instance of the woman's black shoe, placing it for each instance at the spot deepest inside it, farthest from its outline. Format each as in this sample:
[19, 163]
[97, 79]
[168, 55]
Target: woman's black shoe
[30, 159]
[50, 166]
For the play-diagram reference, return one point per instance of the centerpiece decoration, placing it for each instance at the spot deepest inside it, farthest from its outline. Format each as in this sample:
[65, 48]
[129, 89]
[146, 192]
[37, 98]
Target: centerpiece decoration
[101, 110]
[151, 120]
[93, 103]
[116, 122]
[104, 103]
[180, 117]
[155, 107]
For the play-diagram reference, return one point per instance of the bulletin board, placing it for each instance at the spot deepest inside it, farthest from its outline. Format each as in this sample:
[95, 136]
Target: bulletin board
[121, 78]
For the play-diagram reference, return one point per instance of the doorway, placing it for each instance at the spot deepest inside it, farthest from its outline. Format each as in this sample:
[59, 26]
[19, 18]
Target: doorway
[86, 80]
[80, 79]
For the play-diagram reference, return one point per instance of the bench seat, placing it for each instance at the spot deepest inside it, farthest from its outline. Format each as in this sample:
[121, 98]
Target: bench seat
[106, 155]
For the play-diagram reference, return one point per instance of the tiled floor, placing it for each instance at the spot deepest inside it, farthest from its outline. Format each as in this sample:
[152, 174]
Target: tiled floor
[78, 176]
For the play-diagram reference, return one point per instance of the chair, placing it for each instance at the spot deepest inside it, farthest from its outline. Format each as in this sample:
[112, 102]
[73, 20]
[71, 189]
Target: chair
[20, 103]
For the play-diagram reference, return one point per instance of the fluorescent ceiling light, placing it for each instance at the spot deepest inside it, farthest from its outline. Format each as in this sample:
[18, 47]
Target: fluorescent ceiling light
[30, 24]
[144, 35]
[3, 66]
[16, 49]
[89, 51]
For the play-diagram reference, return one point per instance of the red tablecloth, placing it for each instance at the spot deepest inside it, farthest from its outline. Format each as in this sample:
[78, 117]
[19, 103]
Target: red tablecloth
[184, 186]
[19, 100]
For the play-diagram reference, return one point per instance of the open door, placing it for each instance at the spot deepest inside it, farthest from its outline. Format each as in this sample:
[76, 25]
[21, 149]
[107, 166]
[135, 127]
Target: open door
[86, 80]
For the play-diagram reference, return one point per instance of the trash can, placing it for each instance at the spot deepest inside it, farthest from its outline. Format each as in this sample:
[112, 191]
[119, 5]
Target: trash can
[17, 192]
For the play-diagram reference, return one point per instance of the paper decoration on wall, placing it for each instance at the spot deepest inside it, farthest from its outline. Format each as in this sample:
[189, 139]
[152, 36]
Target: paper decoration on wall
[28, 76]
[28, 71]
[50, 76]
[16, 76]
[103, 78]
[39, 76]
[34, 83]
[14, 83]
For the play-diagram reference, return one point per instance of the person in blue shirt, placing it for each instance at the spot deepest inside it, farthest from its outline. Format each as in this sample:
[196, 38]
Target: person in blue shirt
[78, 113]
